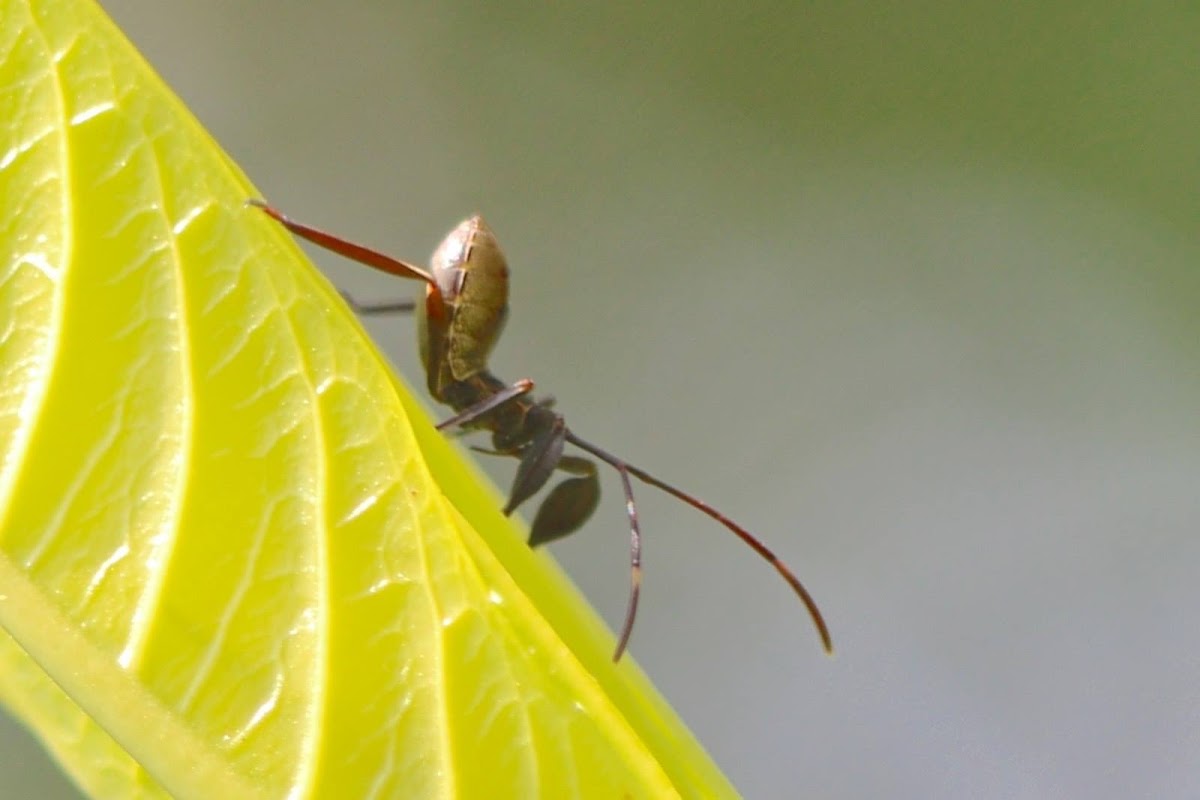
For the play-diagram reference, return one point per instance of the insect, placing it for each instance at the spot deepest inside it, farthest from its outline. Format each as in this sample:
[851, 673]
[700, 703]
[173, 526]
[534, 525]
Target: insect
[459, 322]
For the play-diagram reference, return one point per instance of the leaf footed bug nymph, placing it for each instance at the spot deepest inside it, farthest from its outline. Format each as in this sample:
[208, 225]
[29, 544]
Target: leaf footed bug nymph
[463, 313]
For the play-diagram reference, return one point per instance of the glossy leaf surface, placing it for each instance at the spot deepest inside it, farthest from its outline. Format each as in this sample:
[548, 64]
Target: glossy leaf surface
[235, 559]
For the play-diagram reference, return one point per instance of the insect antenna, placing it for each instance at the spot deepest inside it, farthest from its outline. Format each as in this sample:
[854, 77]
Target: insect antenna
[635, 551]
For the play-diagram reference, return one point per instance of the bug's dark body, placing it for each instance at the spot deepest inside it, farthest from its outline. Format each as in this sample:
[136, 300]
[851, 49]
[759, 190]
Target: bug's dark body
[532, 432]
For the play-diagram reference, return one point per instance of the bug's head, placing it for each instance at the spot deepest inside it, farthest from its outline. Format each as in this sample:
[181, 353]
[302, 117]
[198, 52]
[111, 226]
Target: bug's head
[469, 299]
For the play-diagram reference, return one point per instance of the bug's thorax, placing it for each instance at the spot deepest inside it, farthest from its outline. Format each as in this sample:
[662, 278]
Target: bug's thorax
[514, 423]
[466, 306]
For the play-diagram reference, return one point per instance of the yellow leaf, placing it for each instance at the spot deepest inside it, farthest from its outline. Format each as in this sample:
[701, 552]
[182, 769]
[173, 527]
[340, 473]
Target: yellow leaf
[235, 559]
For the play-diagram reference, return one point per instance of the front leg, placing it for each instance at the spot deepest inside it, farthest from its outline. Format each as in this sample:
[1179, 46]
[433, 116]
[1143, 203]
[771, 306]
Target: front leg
[477, 410]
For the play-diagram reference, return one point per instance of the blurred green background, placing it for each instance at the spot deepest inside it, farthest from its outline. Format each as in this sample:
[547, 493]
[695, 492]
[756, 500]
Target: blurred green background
[909, 289]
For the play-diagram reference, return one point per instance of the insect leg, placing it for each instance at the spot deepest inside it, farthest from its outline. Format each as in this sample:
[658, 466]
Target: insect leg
[635, 561]
[569, 504]
[570, 511]
[352, 251]
[538, 460]
[474, 412]
[373, 309]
